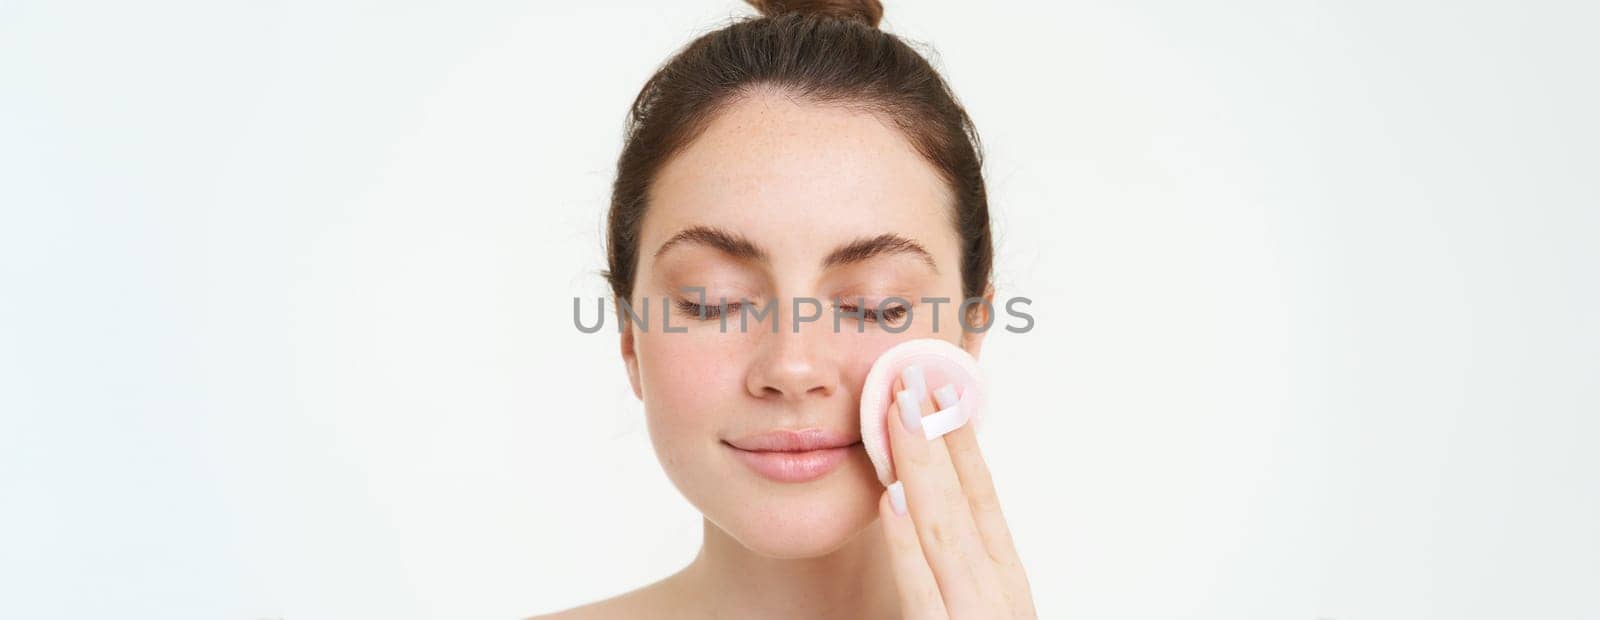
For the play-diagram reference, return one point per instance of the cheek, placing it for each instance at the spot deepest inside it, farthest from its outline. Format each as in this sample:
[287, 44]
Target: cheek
[856, 351]
[688, 380]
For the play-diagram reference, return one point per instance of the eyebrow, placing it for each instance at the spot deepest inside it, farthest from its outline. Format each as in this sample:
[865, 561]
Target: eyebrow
[738, 246]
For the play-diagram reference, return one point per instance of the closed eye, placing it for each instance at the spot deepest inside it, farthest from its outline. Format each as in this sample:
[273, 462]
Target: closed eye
[705, 311]
[889, 313]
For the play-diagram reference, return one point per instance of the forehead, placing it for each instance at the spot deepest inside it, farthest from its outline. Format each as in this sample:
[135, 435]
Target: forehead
[795, 177]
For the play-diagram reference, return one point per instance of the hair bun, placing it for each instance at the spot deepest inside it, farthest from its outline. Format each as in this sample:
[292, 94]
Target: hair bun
[868, 12]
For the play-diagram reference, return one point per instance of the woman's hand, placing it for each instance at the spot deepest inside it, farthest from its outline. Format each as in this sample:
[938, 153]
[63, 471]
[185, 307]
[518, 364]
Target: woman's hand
[950, 547]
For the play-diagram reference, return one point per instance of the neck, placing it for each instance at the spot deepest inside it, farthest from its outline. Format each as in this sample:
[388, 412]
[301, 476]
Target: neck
[853, 581]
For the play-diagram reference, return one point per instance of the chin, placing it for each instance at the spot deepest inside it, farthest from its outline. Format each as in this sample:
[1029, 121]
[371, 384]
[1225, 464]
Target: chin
[801, 521]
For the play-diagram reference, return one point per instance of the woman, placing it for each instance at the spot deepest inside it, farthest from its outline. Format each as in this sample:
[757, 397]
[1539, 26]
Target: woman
[806, 154]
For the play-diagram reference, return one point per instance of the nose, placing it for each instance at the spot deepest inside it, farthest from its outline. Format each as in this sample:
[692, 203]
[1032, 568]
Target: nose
[794, 366]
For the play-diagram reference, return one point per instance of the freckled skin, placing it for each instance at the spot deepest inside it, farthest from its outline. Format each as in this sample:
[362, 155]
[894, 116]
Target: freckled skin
[797, 179]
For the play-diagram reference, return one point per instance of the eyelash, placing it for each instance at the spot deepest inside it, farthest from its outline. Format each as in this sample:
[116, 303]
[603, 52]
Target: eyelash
[892, 313]
[713, 312]
[693, 310]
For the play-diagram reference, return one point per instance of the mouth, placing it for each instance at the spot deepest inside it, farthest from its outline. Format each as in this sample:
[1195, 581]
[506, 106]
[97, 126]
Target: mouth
[793, 456]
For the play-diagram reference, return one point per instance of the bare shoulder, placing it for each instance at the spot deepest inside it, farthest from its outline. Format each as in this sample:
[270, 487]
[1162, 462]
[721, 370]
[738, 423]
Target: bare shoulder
[608, 608]
[653, 600]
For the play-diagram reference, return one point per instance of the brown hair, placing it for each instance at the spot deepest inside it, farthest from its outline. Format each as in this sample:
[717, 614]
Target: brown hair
[821, 51]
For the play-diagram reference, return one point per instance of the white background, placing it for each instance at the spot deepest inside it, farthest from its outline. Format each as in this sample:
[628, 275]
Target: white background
[285, 306]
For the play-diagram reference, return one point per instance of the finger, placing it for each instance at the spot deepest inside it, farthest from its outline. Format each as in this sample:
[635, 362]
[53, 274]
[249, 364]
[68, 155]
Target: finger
[938, 507]
[978, 485]
[913, 578]
[973, 472]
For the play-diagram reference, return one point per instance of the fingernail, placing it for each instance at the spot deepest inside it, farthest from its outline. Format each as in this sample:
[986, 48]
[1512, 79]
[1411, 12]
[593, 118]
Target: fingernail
[946, 396]
[910, 411]
[913, 379]
[897, 497]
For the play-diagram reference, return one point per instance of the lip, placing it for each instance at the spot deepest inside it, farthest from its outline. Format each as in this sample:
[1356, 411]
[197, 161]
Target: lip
[793, 456]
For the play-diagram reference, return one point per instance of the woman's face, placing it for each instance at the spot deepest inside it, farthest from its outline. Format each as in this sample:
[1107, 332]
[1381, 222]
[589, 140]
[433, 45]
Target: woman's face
[777, 188]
